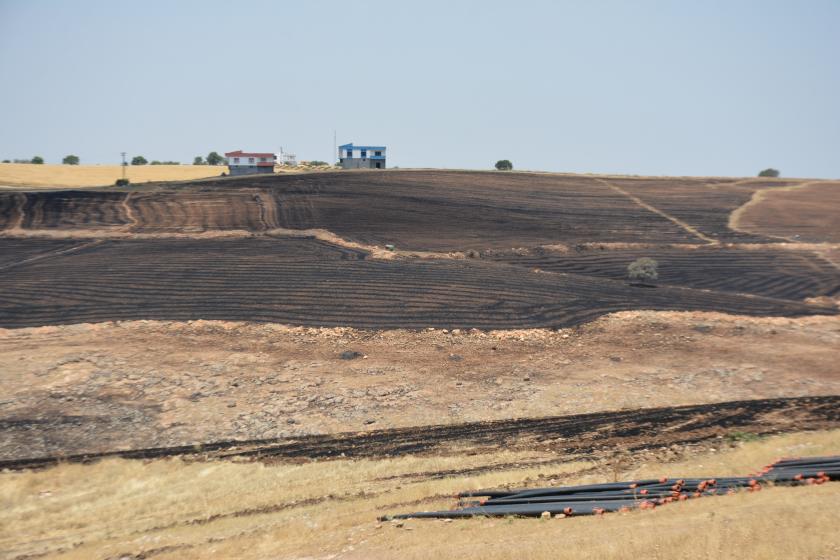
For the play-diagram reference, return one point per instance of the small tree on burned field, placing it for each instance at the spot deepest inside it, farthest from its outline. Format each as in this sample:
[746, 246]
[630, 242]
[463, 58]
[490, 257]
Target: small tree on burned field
[643, 270]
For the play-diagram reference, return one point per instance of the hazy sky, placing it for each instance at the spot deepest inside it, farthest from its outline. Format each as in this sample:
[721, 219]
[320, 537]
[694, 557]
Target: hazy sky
[652, 87]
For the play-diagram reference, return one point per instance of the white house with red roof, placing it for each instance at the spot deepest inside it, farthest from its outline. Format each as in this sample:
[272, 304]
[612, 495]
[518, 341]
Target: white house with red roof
[249, 163]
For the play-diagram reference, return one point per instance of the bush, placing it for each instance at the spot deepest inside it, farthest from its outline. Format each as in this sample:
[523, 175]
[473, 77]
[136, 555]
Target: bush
[198, 160]
[317, 163]
[643, 270]
[769, 172]
[7, 161]
[138, 160]
[504, 165]
[37, 159]
[156, 162]
[70, 160]
[121, 182]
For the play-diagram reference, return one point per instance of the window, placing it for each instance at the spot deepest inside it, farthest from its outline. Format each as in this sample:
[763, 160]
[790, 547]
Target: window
[349, 153]
[377, 153]
[262, 159]
[364, 153]
[250, 160]
[236, 160]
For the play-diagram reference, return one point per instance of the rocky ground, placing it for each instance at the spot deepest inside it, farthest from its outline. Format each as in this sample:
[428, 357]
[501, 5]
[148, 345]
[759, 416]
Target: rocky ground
[99, 387]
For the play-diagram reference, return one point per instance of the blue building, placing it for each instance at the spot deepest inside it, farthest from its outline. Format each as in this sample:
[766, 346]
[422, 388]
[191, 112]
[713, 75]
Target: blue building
[361, 157]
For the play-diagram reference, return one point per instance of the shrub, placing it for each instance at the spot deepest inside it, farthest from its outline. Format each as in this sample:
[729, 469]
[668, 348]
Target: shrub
[7, 161]
[70, 160]
[769, 172]
[316, 163]
[643, 270]
[504, 165]
[156, 162]
[121, 182]
[138, 160]
[37, 159]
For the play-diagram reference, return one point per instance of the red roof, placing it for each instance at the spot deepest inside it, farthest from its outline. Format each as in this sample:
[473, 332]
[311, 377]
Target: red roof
[240, 153]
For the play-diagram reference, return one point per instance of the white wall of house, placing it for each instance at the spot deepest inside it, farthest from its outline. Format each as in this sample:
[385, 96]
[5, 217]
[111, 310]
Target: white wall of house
[247, 160]
[357, 153]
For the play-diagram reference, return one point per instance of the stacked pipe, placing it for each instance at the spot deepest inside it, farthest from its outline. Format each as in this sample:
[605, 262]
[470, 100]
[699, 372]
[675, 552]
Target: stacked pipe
[593, 499]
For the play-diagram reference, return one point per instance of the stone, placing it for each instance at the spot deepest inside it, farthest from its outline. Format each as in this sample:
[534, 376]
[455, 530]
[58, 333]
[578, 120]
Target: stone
[350, 355]
[545, 515]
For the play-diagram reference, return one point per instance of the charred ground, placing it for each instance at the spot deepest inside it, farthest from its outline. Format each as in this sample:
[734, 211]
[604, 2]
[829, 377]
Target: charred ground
[547, 251]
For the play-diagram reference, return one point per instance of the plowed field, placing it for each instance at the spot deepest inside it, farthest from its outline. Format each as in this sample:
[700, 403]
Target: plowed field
[92, 269]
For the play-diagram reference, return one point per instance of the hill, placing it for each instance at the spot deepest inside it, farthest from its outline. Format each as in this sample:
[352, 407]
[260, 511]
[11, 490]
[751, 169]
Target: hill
[470, 249]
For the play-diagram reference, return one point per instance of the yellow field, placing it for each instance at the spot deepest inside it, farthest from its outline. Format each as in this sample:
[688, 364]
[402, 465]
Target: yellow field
[46, 176]
[176, 509]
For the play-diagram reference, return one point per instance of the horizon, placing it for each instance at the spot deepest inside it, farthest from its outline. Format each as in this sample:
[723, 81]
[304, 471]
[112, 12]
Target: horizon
[653, 89]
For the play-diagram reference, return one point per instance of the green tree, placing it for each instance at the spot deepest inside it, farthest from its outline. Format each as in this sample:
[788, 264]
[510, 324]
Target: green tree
[769, 172]
[37, 159]
[139, 160]
[504, 165]
[198, 160]
[643, 270]
[70, 160]
[213, 158]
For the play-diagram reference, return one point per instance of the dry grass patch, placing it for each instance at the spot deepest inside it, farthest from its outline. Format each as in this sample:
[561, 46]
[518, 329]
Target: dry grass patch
[46, 176]
[175, 509]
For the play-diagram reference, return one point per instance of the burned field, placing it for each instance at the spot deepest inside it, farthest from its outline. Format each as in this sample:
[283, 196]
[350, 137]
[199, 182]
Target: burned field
[153, 252]
[576, 435]
[308, 282]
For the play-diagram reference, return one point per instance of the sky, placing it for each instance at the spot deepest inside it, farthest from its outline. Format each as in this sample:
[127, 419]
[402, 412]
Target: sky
[648, 87]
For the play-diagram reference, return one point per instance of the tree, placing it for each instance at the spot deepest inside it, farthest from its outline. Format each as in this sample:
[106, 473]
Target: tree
[214, 158]
[643, 270]
[198, 160]
[7, 161]
[504, 165]
[769, 172]
[37, 159]
[70, 160]
[138, 160]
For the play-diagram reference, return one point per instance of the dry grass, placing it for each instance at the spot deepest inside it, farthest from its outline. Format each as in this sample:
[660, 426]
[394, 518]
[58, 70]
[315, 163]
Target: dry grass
[174, 509]
[46, 176]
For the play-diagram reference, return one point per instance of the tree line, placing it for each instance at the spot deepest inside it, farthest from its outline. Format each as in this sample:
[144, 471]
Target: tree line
[213, 158]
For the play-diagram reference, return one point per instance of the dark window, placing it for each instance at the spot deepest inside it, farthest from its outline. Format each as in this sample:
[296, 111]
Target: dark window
[364, 153]
[377, 153]
[349, 153]
[250, 160]
[236, 160]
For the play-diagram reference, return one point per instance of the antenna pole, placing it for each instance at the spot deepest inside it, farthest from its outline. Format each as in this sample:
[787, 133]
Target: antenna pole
[123, 164]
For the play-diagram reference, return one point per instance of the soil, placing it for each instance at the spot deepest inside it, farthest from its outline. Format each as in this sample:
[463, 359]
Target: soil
[806, 212]
[178, 314]
[93, 388]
